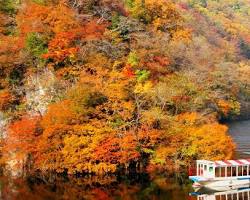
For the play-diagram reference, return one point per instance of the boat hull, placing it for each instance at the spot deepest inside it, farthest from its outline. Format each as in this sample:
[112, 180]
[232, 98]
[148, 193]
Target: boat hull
[220, 185]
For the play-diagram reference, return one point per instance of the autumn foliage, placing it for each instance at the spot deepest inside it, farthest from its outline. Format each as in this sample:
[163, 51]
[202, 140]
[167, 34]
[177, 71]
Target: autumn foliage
[134, 85]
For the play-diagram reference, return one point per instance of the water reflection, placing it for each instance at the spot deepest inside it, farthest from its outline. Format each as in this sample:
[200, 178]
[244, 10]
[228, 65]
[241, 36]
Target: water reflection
[135, 187]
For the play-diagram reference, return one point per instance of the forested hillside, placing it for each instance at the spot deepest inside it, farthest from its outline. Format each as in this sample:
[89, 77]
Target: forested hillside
[96, 86]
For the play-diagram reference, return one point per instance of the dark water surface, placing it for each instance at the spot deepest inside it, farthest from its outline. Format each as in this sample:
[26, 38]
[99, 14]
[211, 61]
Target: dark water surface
[133, 187]
[240, 131]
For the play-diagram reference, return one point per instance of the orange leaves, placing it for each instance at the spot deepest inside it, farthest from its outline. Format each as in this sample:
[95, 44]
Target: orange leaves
[224, 106]
[59, 113]
[118, 150]
[227, 107]
[10, 51]
[184, 35]
[63, 46]
[45, 19]
[191, 137]
[5, 99]
[188, 118]
[31, 17]
[21, 136]
[93, 30]
[61, 18]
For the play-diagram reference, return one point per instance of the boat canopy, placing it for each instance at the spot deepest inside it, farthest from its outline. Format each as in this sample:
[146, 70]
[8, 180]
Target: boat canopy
[240, 162]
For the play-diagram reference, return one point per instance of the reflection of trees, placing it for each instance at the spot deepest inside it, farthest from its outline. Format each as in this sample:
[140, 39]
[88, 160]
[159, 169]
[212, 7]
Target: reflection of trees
[131, 187]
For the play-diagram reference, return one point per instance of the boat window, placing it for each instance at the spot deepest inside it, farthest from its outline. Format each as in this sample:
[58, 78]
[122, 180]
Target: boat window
[244, 170]
[233, 171]
[245, 195]
[229, 171]
[201, 170]
[241, 197]
[230, 197]
[217, 172]
[223, 197]
[223, 171]
[211, 169]
[205, 167]
[240, 170]
[217, 197]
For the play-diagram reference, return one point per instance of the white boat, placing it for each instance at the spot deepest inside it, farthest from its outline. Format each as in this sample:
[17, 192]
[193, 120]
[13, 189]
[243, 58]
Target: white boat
[236, 194]
[220, 174]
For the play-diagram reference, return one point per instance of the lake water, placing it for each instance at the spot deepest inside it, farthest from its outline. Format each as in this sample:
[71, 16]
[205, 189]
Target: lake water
[133, 187]
[240, 131]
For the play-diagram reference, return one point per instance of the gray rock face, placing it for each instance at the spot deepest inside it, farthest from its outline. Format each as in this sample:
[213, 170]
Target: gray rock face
[3, 123]
[40, 89]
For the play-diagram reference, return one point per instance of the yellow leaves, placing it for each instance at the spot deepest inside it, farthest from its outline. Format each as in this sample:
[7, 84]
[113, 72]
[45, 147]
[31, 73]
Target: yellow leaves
[100, 169]
[116, 91]
[188, 118]
[228, 106]
[141, 88]
[161, 14]
[224, 106]
[113, 36]
[162, 153]
[212, 142]
[153, 115]
[184, 35]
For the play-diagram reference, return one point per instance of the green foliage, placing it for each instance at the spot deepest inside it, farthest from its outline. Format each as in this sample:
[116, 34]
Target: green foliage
[36, 45]
[41, 2]
[202, 3]
[9, 6]
[15, 76]
[142, 75]
[129, 3]
[133, 59]
[115, 21]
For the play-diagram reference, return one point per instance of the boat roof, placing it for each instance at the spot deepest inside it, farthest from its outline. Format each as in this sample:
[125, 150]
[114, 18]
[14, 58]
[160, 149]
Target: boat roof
[232, 162]
[227, 162]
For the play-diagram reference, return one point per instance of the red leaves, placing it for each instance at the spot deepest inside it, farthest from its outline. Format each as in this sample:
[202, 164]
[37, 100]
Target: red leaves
[163, 61]
[128, 71]
[158, 65]
[21, 136]
[183, 6]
